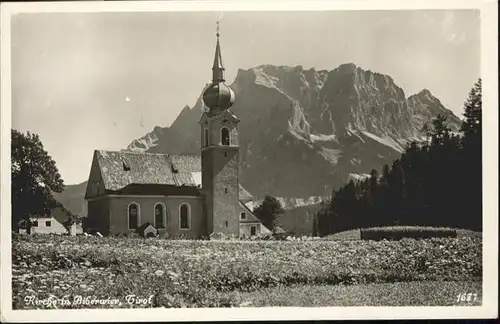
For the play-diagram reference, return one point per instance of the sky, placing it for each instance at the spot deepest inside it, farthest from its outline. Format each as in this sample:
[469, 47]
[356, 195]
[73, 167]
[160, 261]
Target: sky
[86, 81]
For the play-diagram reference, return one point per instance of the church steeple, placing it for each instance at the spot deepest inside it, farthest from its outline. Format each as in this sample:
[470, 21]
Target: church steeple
[218, 68]
[220, 154]
[218, 96]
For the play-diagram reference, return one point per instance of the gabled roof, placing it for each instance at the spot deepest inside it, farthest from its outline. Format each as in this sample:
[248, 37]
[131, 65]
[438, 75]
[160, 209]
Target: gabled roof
[245, 196]
[250, 217]
[133, 172]
[122, 168]
[60, 213]
[226, 114]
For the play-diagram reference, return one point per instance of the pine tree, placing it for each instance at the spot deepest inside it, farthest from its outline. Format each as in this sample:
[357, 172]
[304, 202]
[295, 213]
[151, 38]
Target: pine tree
[471, 157]
[437, 182]
[471, 126]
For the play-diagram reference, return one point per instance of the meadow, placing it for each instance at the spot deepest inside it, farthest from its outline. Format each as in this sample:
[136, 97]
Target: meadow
[177, 273]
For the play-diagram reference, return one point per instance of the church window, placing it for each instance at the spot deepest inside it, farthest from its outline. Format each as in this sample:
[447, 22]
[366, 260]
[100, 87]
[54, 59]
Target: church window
[226, 223]
[205, 136]
[253, 230]
[225, 190]
[185, 216]
[225, 138]
[160, 215]
[133, 215]
[243, 215]
[48, 223]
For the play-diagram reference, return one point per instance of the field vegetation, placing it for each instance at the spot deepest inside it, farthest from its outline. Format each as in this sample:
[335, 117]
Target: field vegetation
[235, 273]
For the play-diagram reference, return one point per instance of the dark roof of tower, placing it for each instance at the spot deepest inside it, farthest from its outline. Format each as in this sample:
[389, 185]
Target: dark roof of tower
[218, 68]
[218, 96]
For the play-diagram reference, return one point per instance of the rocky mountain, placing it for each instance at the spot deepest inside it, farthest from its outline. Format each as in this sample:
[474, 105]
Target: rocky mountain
[302, 130]
[306, 132]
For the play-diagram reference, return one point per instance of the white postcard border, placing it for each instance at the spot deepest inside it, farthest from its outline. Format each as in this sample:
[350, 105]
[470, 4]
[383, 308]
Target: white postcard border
[489, 70]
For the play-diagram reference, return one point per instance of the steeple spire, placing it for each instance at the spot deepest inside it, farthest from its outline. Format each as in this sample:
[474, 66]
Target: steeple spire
[218, 68]
[218, 96]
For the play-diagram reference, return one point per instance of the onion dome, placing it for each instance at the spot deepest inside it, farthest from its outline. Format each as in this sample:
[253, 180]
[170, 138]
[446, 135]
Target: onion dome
[218, 96]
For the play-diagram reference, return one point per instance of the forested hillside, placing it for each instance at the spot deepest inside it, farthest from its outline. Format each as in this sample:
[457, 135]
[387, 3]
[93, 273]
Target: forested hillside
[436, 182]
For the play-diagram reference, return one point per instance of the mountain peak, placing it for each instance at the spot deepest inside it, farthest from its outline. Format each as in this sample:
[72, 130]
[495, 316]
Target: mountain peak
[347, 67]
[425, 92]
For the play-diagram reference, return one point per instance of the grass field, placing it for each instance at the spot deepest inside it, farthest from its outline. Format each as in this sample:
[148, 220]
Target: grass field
[355, 234]
[417, 293]
[243, 273]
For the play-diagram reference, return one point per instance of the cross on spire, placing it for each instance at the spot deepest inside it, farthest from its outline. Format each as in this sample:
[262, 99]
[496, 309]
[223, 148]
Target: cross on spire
[218, 68]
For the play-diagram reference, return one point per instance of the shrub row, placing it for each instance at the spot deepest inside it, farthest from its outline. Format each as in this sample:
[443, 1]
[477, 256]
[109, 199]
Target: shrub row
[400, 232]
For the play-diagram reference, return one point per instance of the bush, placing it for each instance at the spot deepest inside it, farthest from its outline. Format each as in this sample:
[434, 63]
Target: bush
[399, 232]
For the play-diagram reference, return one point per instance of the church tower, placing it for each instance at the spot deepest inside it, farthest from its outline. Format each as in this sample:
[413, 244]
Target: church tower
[220, 153]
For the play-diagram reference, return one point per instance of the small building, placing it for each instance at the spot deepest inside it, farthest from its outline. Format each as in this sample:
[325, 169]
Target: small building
[56, 222]
[147, 230]
[46, 225]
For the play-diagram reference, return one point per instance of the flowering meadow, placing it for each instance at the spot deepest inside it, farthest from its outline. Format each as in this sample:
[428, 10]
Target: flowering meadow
[131, 272]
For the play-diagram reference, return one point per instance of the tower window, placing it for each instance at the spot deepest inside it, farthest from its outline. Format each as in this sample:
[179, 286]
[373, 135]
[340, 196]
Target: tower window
[225, 190]
[225, 154]
[225, 138]
[205, 136]
[226, 223]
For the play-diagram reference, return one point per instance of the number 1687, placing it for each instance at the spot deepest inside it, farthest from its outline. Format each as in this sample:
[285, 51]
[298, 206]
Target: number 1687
[466, 297]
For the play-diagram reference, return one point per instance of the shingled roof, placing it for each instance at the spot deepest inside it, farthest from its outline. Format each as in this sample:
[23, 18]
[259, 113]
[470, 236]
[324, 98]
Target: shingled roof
[245, 196]
[124, 170]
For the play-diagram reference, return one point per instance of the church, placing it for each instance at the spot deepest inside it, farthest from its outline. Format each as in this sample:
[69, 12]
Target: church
[172, 195]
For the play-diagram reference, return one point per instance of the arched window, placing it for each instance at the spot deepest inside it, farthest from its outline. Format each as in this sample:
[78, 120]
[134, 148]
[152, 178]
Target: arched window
[185, 216]
[133, 215]
[205, 136]
[160, 215]
[225, 138]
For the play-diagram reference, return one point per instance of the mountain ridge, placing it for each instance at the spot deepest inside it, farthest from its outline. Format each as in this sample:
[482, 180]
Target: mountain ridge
[304, 132]
[318, 113]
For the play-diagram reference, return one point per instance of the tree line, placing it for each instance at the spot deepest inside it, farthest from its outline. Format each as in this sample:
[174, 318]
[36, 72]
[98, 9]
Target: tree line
[435, 182]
